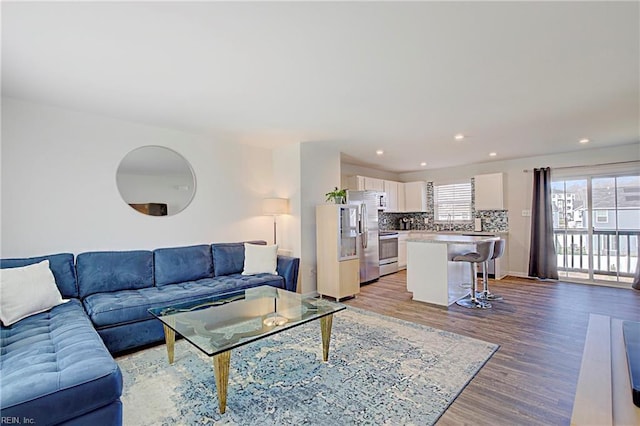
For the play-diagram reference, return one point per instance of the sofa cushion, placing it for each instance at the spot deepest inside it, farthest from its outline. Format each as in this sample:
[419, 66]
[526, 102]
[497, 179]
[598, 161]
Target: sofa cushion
[180, 264]
[228, 258]
[55, 359]
[260, 259]
[102, 271]
[60, 264]
[119, 307]
[27, 290]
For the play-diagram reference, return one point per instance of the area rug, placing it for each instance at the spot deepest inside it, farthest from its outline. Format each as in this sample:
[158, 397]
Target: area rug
[381, 370]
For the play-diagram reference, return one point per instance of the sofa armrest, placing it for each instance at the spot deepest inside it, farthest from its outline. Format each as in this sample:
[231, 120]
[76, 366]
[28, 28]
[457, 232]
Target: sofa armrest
[288, 269]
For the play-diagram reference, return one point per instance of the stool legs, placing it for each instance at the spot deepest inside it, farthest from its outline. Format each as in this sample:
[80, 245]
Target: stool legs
[471, 301]
[485, 294]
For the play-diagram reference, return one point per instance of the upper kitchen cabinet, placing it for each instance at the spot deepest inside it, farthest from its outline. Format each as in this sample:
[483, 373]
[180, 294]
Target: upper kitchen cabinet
[363, 183]
[392, 190]
[415, 196]
[373, 184]
[489, 191]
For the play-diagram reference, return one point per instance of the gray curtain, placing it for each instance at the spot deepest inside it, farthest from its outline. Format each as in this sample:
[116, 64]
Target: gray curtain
[542, 253]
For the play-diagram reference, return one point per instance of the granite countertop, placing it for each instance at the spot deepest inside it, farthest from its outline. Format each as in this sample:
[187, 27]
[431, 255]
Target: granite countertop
[424, 231]
[449, 238]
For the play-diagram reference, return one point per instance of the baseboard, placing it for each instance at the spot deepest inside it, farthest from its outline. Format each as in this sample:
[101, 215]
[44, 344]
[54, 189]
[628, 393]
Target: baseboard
[518, 274]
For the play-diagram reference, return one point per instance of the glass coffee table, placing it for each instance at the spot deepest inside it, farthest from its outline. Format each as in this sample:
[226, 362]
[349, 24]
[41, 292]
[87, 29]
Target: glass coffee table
[220, 323]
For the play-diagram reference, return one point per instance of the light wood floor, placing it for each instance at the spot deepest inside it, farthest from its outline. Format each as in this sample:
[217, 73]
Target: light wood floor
[540, 327]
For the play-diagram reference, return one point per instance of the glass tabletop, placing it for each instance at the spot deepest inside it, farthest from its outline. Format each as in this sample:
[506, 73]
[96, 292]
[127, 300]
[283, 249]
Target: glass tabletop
[222, 322]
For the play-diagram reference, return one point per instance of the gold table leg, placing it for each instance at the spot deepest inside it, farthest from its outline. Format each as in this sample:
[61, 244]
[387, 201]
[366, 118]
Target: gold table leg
[325, 328]
[170, 340]
[221, 373]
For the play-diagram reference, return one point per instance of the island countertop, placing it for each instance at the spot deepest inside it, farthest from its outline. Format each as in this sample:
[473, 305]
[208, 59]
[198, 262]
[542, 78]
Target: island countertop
[450, 239]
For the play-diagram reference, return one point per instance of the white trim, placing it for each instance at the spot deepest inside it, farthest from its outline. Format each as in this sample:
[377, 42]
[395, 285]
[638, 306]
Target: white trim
[604, 170]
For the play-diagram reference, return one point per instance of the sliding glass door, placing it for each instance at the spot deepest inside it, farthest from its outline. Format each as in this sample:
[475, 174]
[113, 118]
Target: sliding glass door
[616, 226]
[597, 227]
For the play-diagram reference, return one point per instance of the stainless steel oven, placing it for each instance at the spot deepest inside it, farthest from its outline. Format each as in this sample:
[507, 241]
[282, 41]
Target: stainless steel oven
[388, 247]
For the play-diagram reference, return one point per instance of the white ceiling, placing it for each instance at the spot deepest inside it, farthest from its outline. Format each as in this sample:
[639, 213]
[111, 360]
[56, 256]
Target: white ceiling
[519, 78]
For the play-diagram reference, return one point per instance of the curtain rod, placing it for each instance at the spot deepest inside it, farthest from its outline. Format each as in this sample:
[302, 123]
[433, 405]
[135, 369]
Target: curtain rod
[588, 165]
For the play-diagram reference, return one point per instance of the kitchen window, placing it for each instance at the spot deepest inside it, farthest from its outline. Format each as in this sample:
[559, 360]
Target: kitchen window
[452, 202]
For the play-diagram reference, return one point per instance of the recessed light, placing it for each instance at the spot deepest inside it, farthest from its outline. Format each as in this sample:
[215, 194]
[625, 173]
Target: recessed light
[423, 164]
[379, 152]
[459, 137]
[493, 154]
[584, 140]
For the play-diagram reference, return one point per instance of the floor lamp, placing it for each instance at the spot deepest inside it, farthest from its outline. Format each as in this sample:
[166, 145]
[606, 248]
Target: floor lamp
[275, 207]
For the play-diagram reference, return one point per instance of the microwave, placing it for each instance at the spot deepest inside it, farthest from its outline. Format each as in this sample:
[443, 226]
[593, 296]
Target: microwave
[381, 200]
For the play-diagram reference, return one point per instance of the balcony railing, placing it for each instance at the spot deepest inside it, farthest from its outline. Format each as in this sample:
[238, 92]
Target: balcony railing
[615, 253]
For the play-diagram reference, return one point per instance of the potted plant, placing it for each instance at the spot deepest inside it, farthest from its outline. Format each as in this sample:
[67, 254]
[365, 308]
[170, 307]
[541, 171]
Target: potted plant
[338, 196]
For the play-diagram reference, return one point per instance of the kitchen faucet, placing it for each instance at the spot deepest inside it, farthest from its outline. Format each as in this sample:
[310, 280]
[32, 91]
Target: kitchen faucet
[450, 221]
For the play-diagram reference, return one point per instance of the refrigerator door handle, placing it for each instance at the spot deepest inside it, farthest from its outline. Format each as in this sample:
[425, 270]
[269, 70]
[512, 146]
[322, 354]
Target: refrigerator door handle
[365, 228]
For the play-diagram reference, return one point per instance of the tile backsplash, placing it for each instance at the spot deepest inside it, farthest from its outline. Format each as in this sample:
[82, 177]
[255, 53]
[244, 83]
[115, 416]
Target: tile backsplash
[492, 220]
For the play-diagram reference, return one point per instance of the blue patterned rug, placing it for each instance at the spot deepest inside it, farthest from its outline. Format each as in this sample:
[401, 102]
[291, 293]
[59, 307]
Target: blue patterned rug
[381, 370]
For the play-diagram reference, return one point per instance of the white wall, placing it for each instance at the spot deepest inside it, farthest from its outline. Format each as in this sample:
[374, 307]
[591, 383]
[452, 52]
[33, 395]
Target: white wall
[520, 187]
[319, 174]
[286, 172]
[304, 173]
[59, 187]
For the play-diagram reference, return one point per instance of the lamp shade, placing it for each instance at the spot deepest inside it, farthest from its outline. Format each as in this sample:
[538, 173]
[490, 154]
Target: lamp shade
[275, 206]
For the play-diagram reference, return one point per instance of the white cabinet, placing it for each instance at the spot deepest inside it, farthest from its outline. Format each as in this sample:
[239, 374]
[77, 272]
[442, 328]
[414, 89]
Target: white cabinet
[401, 197]
[355, 183]
[415, 194]
[402, 249]
[392, 189]
[501, 264]
[373, 184]
[364, 183]
[338, 263]
[489, 192]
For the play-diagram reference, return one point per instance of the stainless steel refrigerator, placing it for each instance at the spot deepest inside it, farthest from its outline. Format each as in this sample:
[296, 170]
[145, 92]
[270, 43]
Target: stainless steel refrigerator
[368, 233]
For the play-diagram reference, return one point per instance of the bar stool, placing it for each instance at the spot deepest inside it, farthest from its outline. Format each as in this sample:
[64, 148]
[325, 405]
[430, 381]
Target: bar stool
[498, 251]
[484, 251]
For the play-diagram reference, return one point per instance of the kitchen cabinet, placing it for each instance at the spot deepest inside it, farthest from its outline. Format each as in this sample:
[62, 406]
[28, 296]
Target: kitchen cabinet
[355, 183]
[401, 197]
[373, 184]
[402, 249]
[501, 264]
[489, 191]
[392, 189]
[338, 262]
[415, 194]
[364, 183]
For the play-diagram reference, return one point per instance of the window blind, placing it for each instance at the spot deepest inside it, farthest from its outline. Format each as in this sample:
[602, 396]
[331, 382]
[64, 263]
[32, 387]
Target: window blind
[452, 202]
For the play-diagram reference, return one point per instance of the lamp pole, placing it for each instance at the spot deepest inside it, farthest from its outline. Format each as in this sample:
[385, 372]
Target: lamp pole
[274, 228]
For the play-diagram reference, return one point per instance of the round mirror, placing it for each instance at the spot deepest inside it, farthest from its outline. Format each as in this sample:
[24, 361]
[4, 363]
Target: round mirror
[156, 181]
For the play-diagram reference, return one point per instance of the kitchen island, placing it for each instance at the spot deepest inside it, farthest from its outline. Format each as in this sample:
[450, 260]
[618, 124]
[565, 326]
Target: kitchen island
[432, 275]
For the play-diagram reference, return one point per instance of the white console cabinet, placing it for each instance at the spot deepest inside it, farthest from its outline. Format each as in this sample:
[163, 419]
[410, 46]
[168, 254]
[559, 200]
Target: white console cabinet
[338, 263]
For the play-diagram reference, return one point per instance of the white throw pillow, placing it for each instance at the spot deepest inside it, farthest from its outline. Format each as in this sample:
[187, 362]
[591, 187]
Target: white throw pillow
[260, 259]
[27, 290]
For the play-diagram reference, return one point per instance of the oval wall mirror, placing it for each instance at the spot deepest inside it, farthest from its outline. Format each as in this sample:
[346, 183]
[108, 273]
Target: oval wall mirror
[156, 181]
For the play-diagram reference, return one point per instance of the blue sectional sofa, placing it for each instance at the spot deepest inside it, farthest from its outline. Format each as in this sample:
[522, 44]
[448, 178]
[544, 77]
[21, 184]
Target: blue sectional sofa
[56, 367]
